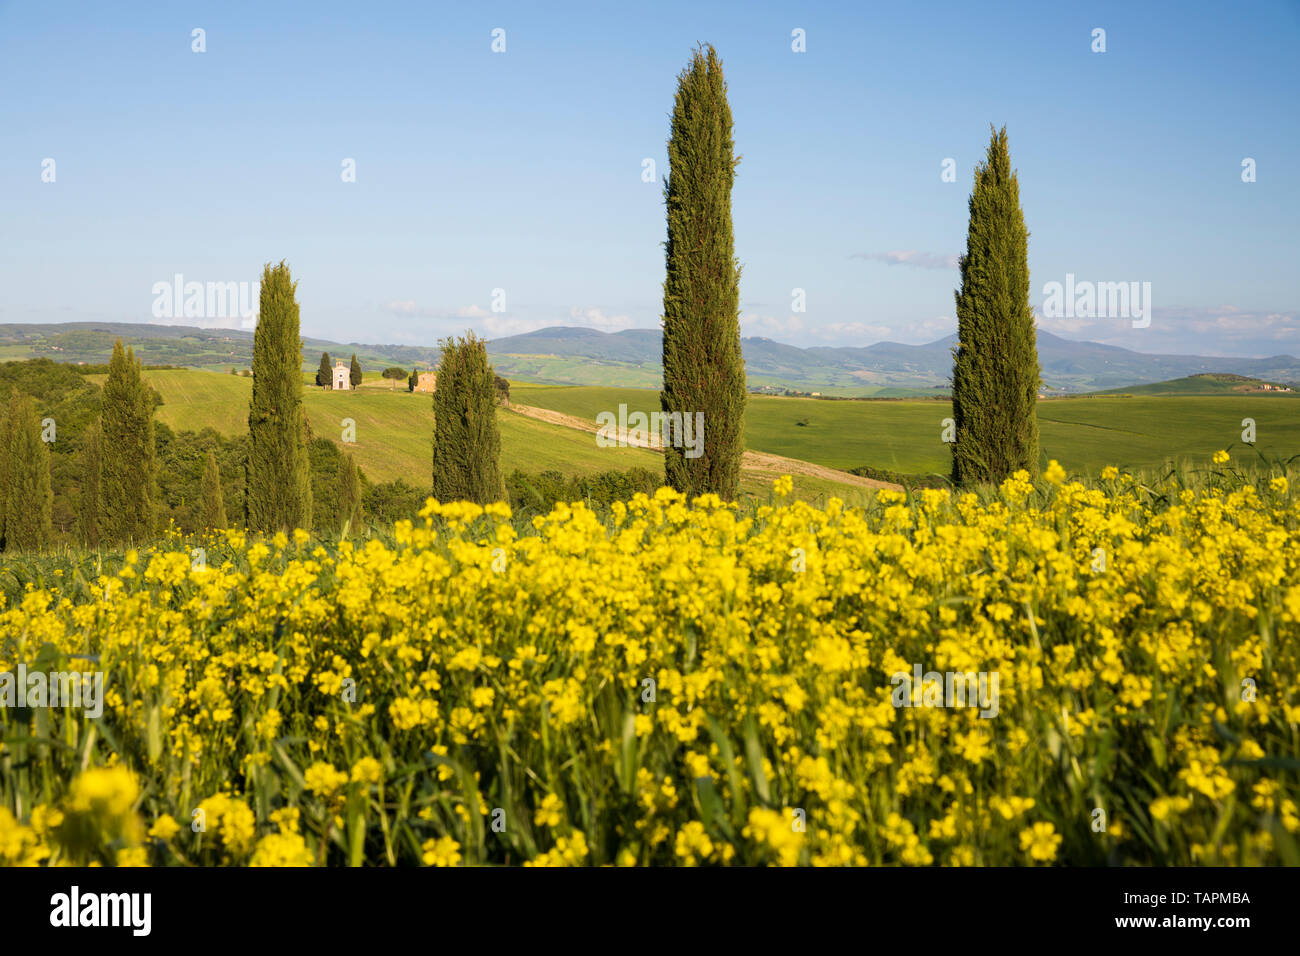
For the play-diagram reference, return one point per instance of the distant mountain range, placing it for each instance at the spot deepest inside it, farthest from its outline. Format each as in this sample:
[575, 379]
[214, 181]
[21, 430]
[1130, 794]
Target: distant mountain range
[1067, 365]
[581, 356]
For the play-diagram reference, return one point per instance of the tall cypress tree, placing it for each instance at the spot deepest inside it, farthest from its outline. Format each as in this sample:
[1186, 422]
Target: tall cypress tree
[995, 373]
[466, 440]
[212, 513]
[349, 495]
[325, 373]
[354, 373]
[278, 495]
[703, 367]
[6, 466]
[28, 525]
[128, 493]
[88, 510]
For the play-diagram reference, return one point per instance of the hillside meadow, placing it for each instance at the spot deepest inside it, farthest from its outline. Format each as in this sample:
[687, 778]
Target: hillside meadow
[393, 432]
[1084, 434]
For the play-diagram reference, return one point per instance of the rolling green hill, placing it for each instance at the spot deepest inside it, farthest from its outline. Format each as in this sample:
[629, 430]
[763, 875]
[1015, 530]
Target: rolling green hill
[1210, 384]
[1085, 434]
[210, 349]
[393, 429]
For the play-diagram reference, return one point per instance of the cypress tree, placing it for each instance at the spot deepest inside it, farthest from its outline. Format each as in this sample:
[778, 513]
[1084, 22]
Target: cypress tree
[325, 460]
[6, 434]
[704, 371]
[325, 374]
[466, 440]
[278, 480]
[212, 515]
[354, 373]
[995, 374]
[88, 513]
[28, 524]
[349, 495]
[128, 494]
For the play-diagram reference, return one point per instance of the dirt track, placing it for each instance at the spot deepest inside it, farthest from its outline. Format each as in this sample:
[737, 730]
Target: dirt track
[753, 462]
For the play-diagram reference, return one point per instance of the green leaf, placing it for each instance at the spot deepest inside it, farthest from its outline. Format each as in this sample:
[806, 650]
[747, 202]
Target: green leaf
[715, 817]
[726, 753]
[754, 754]
[153, 732]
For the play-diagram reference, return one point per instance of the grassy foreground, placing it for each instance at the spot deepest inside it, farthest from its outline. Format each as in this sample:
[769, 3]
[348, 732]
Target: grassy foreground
[686, 683]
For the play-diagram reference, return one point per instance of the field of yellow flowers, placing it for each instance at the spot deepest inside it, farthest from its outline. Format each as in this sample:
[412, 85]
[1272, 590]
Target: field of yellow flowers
[685, 683]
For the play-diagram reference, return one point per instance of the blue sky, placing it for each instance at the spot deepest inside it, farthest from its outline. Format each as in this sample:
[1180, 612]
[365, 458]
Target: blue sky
[522, 170]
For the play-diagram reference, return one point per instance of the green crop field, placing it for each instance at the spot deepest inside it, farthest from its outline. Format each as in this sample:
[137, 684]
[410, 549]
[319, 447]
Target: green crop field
[393, 428]
[1084, 434]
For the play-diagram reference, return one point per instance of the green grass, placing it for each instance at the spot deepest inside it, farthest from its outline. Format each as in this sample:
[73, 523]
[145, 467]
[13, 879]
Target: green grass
[1084, 434]
[565, 370]
[394, 428]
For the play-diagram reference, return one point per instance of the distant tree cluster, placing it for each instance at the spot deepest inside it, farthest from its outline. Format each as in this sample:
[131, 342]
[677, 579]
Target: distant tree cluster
[105, 465]
[541, 491]
[117, 495]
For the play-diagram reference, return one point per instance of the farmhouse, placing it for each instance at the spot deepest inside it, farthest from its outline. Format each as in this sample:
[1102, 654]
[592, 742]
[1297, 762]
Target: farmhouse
[342, 376]
[425, 381]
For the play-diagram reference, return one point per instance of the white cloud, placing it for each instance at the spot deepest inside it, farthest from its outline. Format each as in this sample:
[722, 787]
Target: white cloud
[499, 326]
[771, 326]
[925, 331]
[1222, 330]
[409, 307]
[852, 334]
[496, 324]
[910, 257]
[595, 318]
[794, 330]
